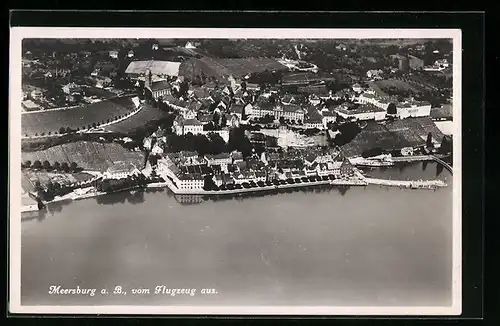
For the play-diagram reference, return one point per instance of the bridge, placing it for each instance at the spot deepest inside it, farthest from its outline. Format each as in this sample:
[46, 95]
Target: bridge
[443, 163]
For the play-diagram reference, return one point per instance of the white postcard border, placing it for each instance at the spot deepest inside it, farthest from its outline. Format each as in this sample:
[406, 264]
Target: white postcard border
[18, 33]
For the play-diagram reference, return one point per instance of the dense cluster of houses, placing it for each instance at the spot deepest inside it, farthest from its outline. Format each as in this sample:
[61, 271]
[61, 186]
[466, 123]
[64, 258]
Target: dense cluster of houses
[187, 170]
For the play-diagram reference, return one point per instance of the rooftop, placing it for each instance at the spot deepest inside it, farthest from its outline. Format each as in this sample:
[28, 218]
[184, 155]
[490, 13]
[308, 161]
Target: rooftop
[191, 122]
[156, 67]
[363, 108]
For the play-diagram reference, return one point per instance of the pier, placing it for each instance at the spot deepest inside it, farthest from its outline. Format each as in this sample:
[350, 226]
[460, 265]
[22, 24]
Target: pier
[413, 184]
[443, 163]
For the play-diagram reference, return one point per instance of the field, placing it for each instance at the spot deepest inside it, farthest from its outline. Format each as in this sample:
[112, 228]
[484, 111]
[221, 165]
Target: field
[30, 177]
[88, 155]
[411, 132]
[399, 84]
[147, 115]
[44, 122]
[99, 92]
[226, 67]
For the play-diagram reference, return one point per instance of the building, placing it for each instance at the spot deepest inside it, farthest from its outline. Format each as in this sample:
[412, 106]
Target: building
[29, 105]
[72, 89]
[374, 73]
[236, 157]
[183, 126]
[121, 170]
[328, 116]
[113, 54]
[219, 159]
[189, 181]
[289, 112]
[36, 95]
[188, 114]
[361, 112]
[316, 122]
[101, 82]
[413, 109]
[157, 68]
[157, 88]
[157, 149]
[346, 169]
[442, 63]
[357, 88]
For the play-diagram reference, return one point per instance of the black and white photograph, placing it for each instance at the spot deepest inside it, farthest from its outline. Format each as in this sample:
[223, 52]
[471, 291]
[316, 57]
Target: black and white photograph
[235, 171]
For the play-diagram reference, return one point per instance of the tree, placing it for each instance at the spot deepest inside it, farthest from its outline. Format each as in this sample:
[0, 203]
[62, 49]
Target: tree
[429, 143]
[65, 167]
[37, 164]
[216, 118]
[38, 185]
[223, 120]
[57, 166]
[391, 109]
[73, 166]
[94, 125]
[46, 165]
[446, 145]
[27, 164]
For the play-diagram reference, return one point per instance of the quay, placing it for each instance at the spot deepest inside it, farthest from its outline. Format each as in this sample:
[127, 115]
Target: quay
[358, 180]
[337, 182]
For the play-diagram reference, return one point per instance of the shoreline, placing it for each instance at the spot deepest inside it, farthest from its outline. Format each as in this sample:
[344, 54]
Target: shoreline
[359, 181]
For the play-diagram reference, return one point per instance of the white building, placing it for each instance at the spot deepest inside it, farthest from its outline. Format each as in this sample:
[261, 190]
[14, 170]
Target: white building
[290, 112]
[328, 117]
[311, 124]
[113, 54]
[362, 112]
[189, 114]
[71, 89]
[413, 109]
[373, 73]
[184, 126]
[121, 171]
[357, 88]
[157, 149]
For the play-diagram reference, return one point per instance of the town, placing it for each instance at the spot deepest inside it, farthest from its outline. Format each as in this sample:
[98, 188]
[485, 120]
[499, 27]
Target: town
[229, 116]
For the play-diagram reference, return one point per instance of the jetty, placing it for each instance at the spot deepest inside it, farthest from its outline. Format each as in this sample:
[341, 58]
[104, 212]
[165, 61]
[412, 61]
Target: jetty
[443, 163]
[412, 184]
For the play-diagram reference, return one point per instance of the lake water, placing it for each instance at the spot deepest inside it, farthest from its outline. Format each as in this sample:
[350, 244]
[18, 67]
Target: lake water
[354, 246]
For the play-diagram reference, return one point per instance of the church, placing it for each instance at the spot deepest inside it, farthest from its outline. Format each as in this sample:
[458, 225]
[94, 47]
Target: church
[159, 88]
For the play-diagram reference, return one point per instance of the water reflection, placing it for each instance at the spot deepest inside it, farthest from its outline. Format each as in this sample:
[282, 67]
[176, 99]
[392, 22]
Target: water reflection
[343, 189]
[56, 207]
[424, 165]
[439, 169]
[132, 197]
[39, 215]
[189, 199]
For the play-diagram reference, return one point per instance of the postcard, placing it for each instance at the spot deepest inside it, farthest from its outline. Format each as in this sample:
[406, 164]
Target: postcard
[235, 171]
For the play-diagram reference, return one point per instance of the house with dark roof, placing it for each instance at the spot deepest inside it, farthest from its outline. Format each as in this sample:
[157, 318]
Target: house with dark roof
[218, 159]
[183, 126]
